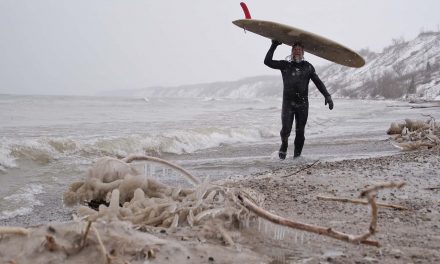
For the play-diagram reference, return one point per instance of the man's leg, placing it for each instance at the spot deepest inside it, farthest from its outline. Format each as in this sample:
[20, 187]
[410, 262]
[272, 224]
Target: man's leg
[301, 115]
[286, 121]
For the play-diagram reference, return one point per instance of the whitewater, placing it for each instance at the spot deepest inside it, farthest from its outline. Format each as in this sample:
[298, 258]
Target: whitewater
[47, 142]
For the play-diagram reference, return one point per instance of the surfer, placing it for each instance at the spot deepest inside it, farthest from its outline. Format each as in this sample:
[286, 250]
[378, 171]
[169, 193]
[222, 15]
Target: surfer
[296, 75]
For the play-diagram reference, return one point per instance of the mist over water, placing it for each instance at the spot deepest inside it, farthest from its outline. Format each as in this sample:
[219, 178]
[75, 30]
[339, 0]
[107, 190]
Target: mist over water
[48, 142]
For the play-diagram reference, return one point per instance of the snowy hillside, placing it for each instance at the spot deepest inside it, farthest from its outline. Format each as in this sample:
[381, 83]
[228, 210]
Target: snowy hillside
[253, 87]
[403, 70]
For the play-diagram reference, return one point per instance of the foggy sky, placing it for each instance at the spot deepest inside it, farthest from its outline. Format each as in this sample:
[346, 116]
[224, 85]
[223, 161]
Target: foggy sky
[85, 46]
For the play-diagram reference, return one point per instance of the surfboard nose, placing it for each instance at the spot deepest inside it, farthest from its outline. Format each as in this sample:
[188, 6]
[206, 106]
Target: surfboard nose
[238, 23]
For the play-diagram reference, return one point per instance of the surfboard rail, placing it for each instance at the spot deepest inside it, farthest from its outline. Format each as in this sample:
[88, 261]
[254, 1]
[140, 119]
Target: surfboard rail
[312, 43]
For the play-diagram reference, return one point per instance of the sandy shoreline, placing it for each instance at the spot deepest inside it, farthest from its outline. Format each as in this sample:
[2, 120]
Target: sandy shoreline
[411, 236]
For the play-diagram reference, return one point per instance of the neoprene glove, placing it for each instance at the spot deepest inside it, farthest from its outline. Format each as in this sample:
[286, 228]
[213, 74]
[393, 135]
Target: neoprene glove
[276, 42]
[329, 101]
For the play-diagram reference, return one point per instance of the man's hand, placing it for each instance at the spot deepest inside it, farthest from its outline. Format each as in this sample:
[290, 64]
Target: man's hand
[329, 101]
[276, 42]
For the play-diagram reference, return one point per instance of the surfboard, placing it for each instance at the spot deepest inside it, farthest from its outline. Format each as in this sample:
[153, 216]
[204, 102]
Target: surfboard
[312, 43]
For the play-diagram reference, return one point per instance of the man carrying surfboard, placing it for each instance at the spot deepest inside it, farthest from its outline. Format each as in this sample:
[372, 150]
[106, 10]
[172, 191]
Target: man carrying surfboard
[296, 75]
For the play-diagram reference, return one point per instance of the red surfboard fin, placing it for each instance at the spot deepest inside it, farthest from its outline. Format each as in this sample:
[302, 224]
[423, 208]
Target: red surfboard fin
[246, 12]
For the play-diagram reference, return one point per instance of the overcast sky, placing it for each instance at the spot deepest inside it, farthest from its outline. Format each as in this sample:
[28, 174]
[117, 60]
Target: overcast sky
[87, 46]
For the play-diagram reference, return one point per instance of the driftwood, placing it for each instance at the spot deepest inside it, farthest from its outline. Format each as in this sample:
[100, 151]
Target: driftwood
[415, 134]
[132, 158]
[83, 241]
[147, 203]
[377, 187]
[109, 173]
[326, 231]
[10, 230]
[359, 201]
[101, 245]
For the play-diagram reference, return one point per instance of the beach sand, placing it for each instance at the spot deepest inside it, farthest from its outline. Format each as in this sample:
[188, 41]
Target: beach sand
[408, 236]
[405, 236]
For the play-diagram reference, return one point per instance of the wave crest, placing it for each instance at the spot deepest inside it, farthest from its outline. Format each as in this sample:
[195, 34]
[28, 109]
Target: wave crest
[45, 150]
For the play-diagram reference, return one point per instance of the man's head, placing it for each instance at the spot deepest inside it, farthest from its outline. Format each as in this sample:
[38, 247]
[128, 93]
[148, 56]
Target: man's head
[297, 52]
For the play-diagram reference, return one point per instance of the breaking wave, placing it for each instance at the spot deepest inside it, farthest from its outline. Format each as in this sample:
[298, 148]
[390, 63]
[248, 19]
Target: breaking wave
[45, 150]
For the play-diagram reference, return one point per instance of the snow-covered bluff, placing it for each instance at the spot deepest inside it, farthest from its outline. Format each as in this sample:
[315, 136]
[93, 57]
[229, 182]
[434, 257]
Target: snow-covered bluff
[405, 69]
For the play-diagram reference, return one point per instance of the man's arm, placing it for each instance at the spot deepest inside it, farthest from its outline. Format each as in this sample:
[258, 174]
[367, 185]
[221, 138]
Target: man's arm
[268, 60]
[321, 87]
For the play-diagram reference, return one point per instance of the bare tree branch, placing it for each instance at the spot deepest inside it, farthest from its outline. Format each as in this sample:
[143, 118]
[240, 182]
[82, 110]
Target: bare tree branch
[326, 231]
[381, 186]
[193, 179]
[359, 201]
[370, 193]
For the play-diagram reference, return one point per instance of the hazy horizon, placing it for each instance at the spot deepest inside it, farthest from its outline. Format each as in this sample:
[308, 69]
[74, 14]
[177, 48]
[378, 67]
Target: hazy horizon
[84, 47]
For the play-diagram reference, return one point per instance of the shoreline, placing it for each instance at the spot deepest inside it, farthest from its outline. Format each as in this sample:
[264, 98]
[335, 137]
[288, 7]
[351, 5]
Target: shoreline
[290, 191]
[240, 161]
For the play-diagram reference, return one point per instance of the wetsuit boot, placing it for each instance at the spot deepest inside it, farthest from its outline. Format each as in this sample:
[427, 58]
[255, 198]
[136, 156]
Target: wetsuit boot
[299, 143]
[283, 149]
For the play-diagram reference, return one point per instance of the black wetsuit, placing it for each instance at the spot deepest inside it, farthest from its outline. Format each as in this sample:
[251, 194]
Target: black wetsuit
[296, 78]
